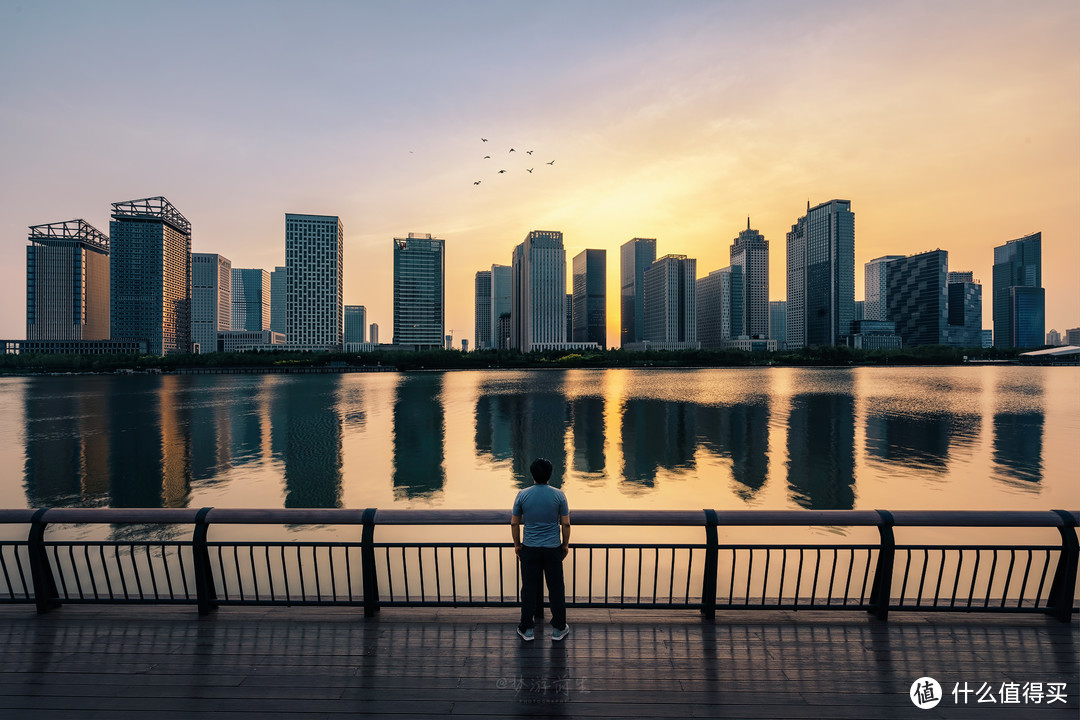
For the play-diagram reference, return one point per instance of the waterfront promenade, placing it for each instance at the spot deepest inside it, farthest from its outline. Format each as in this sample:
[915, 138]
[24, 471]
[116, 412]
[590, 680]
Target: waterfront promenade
[131, 662]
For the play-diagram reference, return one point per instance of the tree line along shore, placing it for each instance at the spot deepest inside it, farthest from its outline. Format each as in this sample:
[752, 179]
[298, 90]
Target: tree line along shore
[279, 360]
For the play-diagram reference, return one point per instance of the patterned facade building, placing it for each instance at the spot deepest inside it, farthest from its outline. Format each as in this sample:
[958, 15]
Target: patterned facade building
[482, 334]
[965, 310]
[538, 304]
[918, 298]
[314, 256]
[150, 274]
[718, 307]
[419, 291]
[251, 299]
[750, 252]
[211, 299]
[821, 275]
[67, 282]
[671, 300]
[876, 288]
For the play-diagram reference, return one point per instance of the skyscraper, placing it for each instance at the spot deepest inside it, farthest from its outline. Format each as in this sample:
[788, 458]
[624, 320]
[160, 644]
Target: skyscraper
[590, 297]
[251, 299]
[150, 274]
[876, 288]
[419, 291]
[715, 308]
[750, 251]
[211, 299]
[373, 334]
[502, 283]
[538, 308]
[482, 310]
[1019, 298]
[278, 291]
[355, 323]
[918, 298]
[778, 323]
[635, 256]
[314, 254]
[670, 300]
[821, 275]
[965, 310]
[67, 282]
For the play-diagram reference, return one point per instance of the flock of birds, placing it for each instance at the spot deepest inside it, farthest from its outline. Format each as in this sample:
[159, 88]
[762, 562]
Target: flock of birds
[500, 172]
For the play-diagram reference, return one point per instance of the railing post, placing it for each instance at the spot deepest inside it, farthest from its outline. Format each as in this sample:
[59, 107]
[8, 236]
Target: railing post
[712, 552]
[204, 576]
[45, 595]
[1063, 587]
[881, 590]
[367, 563]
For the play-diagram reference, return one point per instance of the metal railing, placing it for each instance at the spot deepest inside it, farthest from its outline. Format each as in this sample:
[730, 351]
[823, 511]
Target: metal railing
[878, 577]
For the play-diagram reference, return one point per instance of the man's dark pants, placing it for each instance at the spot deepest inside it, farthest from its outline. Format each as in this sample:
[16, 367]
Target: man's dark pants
[538, 563]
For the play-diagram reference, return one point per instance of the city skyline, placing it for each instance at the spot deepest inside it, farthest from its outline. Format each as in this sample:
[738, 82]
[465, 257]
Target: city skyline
[946, 127]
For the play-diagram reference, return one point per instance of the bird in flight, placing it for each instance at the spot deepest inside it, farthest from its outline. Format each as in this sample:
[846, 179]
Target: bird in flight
[483, 139]
[501, 172]
[528, 152]
[487, 157]
[528, 169]
[476, 183]
[551, 163]
[511, 149]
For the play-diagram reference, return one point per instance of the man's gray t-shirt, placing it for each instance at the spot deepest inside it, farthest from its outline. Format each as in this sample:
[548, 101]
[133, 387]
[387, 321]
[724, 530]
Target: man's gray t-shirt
[540, 508]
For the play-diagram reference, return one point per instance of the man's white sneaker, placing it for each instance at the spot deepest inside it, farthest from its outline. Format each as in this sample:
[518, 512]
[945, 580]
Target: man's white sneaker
[526, 635]
[560, 634]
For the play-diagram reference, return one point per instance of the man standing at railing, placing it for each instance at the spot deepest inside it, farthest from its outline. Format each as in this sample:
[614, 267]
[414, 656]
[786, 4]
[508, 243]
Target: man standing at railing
[546, 515]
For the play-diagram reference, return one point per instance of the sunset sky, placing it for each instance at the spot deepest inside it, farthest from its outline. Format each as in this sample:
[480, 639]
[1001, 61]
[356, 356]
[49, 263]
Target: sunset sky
[952, 125]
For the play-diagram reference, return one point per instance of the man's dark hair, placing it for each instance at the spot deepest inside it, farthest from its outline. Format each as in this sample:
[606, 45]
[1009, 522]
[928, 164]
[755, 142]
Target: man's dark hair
[541, 470]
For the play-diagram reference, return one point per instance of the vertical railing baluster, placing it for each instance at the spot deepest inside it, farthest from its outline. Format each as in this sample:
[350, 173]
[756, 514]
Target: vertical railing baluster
[712, 559]
[45, 596]
[1063, 587]
[204, 577]
[881, 591]
[369, 574]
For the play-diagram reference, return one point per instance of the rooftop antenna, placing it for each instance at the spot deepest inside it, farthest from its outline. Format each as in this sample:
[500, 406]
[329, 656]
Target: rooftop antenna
[747, 222]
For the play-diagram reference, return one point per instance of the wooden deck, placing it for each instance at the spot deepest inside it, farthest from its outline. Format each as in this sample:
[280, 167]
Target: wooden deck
[160, 662]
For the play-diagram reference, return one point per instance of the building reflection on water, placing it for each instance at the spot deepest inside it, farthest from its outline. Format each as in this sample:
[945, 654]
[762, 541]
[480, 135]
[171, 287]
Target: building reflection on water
[419, 436]
[153, 441]
[821, 451]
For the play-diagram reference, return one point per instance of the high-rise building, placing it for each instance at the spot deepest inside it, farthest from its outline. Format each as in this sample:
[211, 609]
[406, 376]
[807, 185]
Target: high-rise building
[278, 292]
[538, 308]
[821, 275]
[1053, 338]
[965, 310]
[314, 307]
[1019, 298]
[750, 251]
[67, 282]
[251, 299]
[569, 316]
[355, 323]
[590, 297]
[482, 324]
[211, 299]
[876, 288]
[918, 298]
[1072, 337]
[635, 256]
[373, 334]
[718, 300]
[420, 291]
[670, 300]
[150, 274]
[502, 283]
[860, 310]
[778, 323]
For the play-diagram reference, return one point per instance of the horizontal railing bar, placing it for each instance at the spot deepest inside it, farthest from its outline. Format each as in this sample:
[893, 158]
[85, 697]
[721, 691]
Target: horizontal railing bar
[344, 516]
